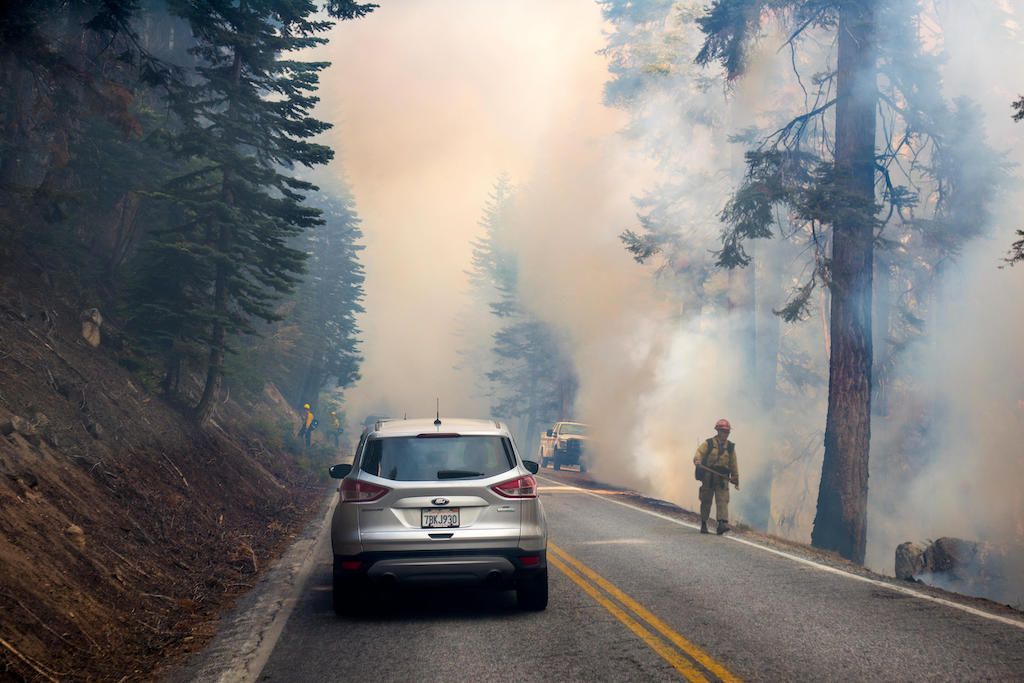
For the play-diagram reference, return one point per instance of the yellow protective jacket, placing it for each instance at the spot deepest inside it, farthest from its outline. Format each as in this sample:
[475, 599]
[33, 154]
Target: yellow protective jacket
[309, 419]
[711, 453]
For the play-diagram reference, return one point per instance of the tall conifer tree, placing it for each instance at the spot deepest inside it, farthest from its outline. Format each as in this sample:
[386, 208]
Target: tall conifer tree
[329, 299]
[842, 195]
[531, 377]
[244, 122]
[836, 182]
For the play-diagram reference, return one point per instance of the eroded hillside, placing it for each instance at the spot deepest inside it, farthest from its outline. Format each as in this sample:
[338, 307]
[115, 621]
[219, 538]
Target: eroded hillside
[124, 530]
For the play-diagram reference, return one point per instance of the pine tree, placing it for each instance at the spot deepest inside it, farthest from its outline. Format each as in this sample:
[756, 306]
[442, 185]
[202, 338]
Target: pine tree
[328, 301]
[242, 121]
[823, 170]
[530, 376]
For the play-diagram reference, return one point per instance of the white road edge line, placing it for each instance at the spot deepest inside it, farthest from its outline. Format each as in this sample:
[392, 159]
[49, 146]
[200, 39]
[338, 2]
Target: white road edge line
[803, 560]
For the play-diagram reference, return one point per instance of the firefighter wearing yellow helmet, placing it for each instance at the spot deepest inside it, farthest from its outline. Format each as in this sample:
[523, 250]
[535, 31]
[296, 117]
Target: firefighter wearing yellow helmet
[715, 465]
[308, 424]
[336, 429]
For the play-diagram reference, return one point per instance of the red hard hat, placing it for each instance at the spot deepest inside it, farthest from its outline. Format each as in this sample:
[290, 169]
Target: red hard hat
[723, 424]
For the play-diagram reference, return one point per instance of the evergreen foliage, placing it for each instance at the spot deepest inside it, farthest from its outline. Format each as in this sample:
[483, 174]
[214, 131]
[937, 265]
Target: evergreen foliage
[929, 149]
[152, 147]
[845, 211]
[348, 9]
[242, 121]
[530, 376]
[675, 114]
[325, 347]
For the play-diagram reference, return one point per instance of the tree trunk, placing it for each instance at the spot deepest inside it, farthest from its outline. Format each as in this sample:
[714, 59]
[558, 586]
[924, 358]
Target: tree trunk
[883, 309]
[215, 367]
[840, 523]
[312, 383]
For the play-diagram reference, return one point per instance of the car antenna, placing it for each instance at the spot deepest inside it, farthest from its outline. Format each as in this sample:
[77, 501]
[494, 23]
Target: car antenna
[437, 421]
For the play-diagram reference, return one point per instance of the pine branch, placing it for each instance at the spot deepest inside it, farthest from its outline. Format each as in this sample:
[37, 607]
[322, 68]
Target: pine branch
[1016, 254]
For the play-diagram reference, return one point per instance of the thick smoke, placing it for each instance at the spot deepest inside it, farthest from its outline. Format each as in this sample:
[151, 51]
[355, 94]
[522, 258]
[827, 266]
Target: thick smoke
[433, 101]
[970, 415]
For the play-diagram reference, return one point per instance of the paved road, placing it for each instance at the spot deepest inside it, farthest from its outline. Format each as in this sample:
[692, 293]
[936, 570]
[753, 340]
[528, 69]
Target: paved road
[638, 595]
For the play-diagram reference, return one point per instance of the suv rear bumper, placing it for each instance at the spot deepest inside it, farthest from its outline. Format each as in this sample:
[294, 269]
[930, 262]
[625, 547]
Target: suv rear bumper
[498, 568]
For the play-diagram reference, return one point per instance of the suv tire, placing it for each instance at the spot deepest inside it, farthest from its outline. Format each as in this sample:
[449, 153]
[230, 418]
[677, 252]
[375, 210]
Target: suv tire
[532, 593]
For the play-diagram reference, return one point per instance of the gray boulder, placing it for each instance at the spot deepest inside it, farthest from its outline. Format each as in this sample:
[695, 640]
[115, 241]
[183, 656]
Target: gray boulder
[91, 322]
[975, 568]
[909, 561]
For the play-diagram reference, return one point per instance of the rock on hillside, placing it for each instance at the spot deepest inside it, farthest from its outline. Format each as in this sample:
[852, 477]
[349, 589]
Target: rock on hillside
[972, 568]
[124, 530]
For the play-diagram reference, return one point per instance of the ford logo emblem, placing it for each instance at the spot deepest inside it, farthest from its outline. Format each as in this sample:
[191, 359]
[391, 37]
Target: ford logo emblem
[440, 501]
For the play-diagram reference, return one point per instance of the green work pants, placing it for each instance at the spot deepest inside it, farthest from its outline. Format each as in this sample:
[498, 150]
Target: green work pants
[721, 497]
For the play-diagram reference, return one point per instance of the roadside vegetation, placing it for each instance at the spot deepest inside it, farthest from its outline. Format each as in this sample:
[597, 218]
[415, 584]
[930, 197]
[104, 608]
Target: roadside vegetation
[173, 288]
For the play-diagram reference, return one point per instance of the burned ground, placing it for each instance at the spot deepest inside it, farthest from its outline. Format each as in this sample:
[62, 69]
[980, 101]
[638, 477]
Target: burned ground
[124, 530]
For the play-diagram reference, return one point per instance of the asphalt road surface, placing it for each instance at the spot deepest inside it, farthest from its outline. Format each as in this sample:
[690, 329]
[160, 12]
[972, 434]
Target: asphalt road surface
[635, 594]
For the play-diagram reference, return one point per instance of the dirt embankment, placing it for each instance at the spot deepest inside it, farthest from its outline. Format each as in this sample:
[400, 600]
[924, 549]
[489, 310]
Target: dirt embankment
[124, 531]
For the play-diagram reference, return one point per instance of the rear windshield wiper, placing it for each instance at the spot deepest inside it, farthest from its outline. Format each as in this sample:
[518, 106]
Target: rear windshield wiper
[458, 474]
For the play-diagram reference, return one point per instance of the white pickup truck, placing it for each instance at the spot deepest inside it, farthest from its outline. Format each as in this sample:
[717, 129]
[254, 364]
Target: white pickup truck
[564, 444]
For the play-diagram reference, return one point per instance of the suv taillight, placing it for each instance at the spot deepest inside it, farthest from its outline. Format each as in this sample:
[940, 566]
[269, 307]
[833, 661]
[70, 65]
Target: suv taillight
[523, 487]
[355, 491]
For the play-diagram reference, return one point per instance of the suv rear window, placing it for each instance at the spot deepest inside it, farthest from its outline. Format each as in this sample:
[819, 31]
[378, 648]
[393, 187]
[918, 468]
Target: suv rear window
[409, 458]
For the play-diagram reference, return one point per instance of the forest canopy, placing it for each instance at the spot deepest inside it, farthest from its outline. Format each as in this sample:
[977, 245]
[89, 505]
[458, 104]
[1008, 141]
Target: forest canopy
[159, 153]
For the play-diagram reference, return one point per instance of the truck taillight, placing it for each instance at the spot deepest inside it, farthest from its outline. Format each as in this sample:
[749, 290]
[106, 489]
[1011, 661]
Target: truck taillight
[355, 491]
[523, 487]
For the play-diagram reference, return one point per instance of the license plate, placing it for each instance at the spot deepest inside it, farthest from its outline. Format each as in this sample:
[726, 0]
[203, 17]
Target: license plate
[440, 518]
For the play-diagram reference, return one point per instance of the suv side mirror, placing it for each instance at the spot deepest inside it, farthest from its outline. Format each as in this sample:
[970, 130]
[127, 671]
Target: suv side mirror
[340, 471]
[531, 466]
[549, 432]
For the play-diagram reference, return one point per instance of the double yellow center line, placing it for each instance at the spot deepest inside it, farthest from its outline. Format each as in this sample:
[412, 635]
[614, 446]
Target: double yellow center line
[683, 656]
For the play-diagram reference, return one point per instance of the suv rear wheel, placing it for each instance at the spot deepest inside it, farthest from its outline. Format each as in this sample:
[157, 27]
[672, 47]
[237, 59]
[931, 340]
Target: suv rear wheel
[532, 593]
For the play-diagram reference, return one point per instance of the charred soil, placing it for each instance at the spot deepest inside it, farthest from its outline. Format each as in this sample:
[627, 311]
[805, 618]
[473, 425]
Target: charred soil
[124, 529]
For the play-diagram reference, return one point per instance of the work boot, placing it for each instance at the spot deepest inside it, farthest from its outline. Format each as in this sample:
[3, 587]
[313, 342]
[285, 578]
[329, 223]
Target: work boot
[704, 527]
[722, 528]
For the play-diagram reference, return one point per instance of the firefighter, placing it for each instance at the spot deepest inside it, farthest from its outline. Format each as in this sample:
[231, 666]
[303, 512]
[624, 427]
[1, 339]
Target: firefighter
[335, 428]
[308, 425]
[715, 464]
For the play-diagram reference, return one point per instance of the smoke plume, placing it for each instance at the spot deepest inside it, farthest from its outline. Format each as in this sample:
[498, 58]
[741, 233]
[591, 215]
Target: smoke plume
[433, 101]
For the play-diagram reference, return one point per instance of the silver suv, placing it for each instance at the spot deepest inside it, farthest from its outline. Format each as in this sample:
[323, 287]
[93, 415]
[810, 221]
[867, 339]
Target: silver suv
[434, 503]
